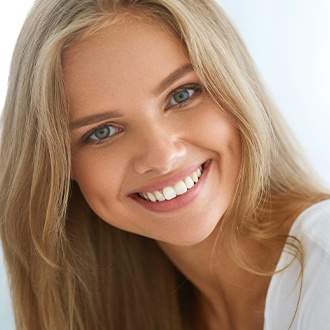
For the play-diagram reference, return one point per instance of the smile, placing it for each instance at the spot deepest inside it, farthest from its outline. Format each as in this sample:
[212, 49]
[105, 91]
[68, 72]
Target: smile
[171, 192]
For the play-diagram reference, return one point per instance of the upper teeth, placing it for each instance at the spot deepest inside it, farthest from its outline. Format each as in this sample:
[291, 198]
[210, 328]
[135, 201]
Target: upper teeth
[177, 189]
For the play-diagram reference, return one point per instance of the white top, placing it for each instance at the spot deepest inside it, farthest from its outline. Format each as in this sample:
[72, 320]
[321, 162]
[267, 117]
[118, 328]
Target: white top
[312, 228]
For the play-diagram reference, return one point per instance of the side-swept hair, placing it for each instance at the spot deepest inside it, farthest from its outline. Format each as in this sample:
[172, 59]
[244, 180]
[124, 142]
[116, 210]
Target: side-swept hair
[70, 270]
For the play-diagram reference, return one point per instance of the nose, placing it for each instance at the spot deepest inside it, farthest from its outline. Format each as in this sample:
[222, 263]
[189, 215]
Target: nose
[158, 149]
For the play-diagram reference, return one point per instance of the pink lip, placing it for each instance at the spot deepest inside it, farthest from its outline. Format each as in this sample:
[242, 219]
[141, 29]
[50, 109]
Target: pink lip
[161, 184]
[178, 202]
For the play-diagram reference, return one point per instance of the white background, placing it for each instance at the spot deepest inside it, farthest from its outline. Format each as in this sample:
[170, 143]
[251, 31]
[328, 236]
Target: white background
[290, 42]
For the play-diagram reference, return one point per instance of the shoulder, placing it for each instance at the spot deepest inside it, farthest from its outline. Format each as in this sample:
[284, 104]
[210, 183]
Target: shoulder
[312, 227]
[303, 288]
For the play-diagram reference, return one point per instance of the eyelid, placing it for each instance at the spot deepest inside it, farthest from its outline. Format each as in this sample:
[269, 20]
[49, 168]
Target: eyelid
[86, 137]
[197, 87]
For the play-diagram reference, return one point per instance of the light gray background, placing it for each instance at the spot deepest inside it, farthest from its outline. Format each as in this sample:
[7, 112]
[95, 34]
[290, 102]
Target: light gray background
[290, 42]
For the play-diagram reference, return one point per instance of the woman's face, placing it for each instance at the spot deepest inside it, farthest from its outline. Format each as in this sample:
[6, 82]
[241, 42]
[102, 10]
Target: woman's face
[142, 128]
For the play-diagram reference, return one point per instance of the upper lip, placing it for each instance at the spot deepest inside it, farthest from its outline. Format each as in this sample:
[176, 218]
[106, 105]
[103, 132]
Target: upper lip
[171, 180]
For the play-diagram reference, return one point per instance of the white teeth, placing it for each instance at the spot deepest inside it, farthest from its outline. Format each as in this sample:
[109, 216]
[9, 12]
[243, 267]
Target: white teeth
[160, 197]
[152, 197]
[171, 192]
[195, 177]
[189, 182]
[145, 196]
[180, 188]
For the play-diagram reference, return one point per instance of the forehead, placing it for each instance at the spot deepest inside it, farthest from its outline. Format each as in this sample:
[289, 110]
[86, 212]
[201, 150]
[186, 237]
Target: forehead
[119, 34]
[130, 55]
[115, 32]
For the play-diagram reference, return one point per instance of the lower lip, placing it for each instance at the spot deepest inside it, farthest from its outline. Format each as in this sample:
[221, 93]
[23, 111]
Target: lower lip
[179, 201]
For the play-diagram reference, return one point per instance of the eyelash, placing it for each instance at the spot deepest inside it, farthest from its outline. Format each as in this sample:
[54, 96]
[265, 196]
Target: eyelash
[88, 137]
[194, 90]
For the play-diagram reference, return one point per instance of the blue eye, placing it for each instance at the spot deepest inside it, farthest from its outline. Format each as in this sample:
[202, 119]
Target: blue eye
[181, 96]
[103, 132]
[184, 94]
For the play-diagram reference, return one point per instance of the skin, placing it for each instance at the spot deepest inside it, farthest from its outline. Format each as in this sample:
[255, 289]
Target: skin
[120, 70]
[119, 78]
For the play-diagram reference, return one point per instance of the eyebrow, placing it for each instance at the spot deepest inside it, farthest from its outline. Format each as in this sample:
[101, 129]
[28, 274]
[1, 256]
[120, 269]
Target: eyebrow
[168, 81]
[172, 77]
[89, 120]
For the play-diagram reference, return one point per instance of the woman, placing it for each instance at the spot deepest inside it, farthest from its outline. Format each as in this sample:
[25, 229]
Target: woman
[147, 180]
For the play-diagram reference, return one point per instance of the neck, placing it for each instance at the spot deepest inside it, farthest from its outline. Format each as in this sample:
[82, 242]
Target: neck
[230, 295]
[227, 292]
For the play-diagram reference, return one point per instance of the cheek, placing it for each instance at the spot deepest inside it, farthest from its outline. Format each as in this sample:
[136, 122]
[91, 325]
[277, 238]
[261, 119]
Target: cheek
[223, 138]
[101, 178]
[215, 129]
[98, 175]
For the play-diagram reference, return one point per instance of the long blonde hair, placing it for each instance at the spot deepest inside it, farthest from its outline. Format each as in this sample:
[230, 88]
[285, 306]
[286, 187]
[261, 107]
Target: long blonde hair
[70, 270]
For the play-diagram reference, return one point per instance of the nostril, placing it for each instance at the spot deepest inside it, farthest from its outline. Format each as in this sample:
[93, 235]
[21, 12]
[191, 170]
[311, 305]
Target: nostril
[160, 156]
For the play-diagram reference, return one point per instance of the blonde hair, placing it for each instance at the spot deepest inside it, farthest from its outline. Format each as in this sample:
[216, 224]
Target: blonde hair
[69, 269]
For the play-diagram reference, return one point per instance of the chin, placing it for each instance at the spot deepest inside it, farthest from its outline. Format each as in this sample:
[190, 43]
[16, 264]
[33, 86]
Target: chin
[193, 236]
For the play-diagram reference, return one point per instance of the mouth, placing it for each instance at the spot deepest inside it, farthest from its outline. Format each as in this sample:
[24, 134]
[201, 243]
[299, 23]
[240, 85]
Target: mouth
[178, 189]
